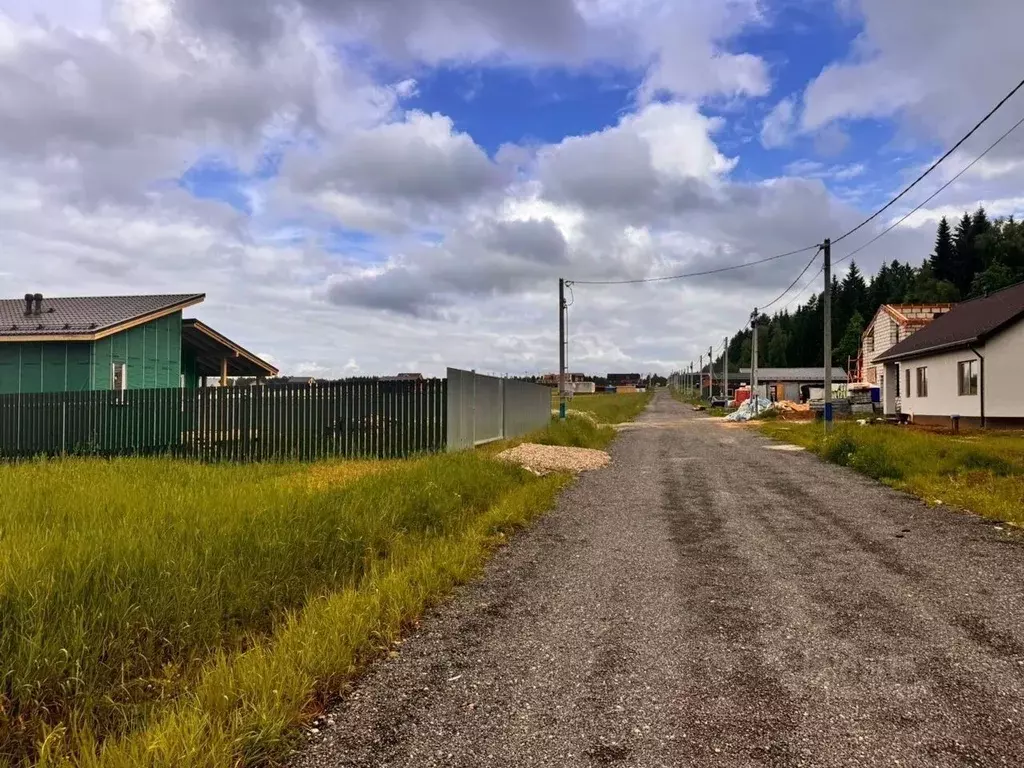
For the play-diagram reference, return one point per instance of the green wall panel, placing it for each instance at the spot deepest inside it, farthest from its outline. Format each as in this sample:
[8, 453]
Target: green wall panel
[79, 362]
[31, 368]
[188, 369]
[152, 353]
[10, 369]
[55, 367]
[102, 357]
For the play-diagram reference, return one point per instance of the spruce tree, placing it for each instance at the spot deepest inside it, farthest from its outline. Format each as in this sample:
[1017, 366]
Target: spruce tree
[964, 261]
[944, 256]
[849, 345]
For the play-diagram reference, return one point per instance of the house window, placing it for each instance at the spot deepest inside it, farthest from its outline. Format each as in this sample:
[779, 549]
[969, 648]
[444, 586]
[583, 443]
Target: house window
[907, 391]
[922, 382]
[119, 381]
[968, 377]
[120, 377]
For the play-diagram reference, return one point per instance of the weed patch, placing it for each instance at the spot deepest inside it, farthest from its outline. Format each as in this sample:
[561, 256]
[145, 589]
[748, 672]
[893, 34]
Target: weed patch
[612, 409]
[160, 612]
[982, 473]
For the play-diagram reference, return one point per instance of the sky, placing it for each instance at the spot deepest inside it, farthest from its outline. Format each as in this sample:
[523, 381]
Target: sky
[371, 186]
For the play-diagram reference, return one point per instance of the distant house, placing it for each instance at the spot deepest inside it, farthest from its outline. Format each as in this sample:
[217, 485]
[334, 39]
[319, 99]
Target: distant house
[968, 362]
[891, 324]
[795, 383]
[292, 381]
[624, 379]
[404, 377]
[113, 343]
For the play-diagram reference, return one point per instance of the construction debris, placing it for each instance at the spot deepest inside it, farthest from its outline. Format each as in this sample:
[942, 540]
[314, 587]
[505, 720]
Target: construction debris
[542, 459]
[788, 406]
[751, 408]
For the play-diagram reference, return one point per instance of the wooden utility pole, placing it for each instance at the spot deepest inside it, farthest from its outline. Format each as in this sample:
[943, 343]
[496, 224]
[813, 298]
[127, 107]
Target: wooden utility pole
[700, 375]
[561, 348]
[827, 248]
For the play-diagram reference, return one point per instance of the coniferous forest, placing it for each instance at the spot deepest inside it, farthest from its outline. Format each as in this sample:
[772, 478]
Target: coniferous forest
[975, 256]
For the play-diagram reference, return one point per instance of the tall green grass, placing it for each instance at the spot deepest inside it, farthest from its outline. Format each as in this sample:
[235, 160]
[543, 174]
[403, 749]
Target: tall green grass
[574, 432]
[982, 472]
[129, 588]
[612, 409]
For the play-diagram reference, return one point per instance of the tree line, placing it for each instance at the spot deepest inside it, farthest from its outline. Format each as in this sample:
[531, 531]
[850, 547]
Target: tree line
[976, 257]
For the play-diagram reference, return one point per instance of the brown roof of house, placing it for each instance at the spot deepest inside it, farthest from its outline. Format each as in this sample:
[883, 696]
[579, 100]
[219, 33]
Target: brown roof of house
[968, 323]
[85, 317]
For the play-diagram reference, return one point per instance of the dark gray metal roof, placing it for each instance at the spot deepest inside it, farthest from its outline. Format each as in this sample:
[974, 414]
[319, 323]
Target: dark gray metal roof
[796, 374]
[965, 324]
[84, 315]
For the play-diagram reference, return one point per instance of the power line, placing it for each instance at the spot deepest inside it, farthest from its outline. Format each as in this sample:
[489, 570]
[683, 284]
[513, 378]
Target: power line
[795, 281]
[934, 165]
[694, 274]
[808, 285]
[935, 194]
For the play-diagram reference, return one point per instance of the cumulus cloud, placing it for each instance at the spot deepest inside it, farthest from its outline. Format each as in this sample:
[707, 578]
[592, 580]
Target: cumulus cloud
[778, 125]
[940, 64]
[658, 160]
[434, 31]
[421, 159]
[103, 114]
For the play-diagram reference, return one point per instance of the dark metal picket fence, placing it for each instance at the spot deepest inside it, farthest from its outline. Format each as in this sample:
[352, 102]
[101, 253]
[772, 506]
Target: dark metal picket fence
[371, 419]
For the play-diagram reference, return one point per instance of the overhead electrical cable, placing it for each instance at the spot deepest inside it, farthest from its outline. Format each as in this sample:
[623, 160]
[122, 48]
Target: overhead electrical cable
[934, 165]
[694, 274]
[935, 194]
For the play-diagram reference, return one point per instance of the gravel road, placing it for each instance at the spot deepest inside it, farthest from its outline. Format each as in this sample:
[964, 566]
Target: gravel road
[709, 601]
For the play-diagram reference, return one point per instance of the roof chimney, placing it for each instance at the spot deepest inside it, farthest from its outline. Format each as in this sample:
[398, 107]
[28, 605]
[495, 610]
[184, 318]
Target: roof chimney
[39, 303]
[28, 303]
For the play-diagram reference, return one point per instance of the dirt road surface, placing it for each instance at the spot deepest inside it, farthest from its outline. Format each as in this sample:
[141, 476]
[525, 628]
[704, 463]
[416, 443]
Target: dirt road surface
[707, 600]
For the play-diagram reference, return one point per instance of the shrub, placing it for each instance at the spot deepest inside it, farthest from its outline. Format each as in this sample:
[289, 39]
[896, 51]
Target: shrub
[876, 460]
[973, 459]
[838, 447]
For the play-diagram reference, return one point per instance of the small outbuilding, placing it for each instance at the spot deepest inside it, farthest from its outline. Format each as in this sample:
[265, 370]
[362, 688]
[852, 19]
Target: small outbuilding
[794, 383]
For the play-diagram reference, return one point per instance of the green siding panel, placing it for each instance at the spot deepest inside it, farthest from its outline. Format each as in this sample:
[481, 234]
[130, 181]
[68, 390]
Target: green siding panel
[152, 353]
[54, 367]
[31, 368]
[189, 370]
[135, 356]
[102, 358]
[10, 369]
[79, 361]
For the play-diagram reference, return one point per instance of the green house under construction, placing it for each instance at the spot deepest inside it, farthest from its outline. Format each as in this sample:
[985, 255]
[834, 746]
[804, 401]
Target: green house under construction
[100, 343]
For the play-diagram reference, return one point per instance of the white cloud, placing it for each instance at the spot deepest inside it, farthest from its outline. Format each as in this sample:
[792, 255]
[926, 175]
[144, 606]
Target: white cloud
[938, 64]
[777, 128]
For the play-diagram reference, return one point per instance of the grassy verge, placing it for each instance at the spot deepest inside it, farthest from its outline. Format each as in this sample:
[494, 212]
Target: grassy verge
[612, 409]
[158, 612]
[983, 473]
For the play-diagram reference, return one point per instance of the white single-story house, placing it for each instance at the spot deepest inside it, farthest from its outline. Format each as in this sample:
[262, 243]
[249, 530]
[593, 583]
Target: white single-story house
[969, 363]
[891, 324]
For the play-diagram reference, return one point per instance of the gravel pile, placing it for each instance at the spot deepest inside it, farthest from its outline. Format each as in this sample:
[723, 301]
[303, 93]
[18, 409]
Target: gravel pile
[542, 459]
